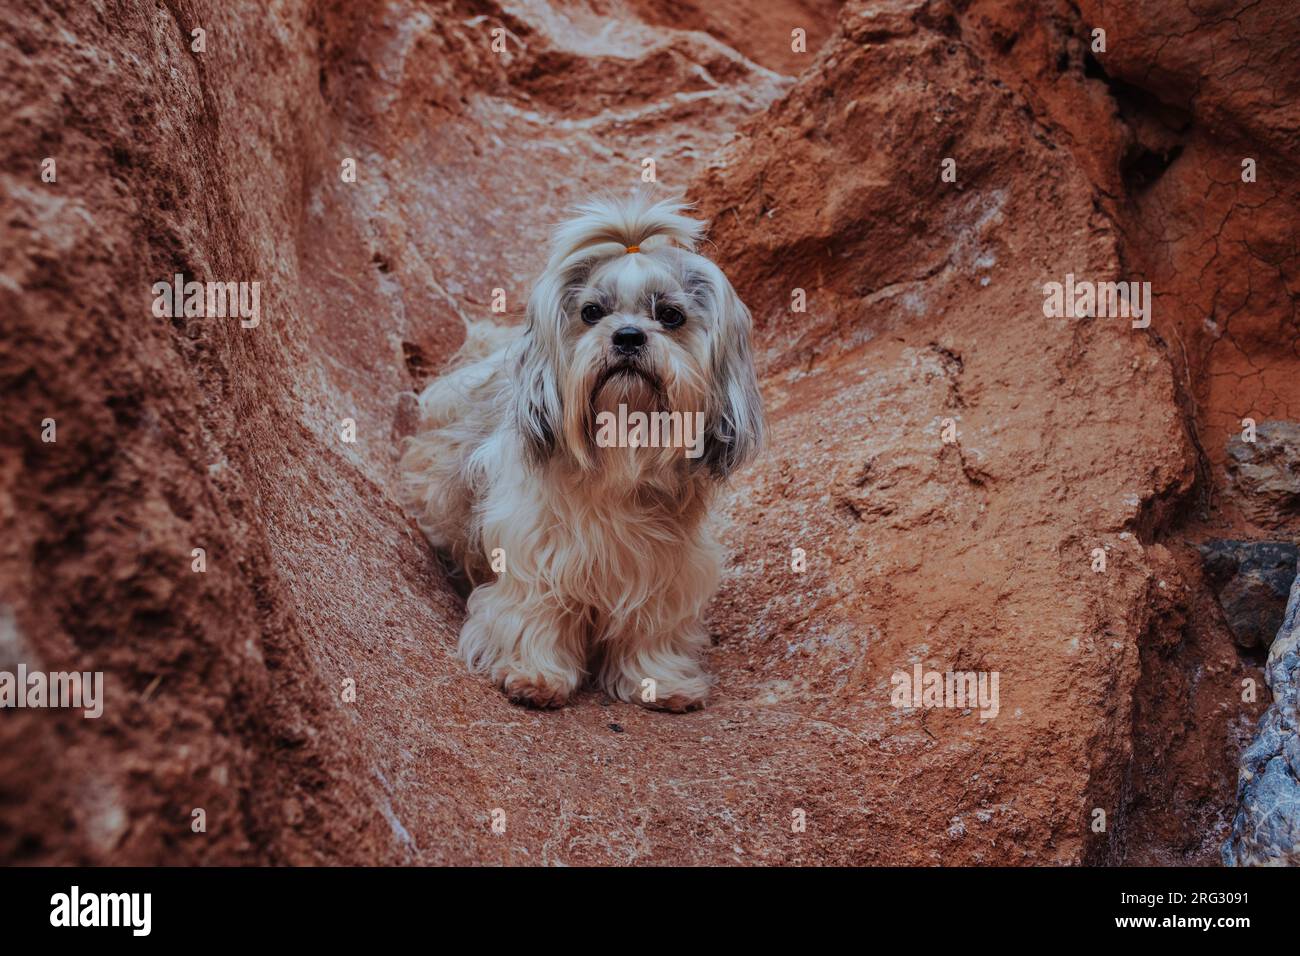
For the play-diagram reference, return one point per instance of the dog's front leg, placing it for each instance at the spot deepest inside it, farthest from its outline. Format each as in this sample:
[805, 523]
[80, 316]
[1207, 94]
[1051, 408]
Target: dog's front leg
[662, 671]
[531, 647]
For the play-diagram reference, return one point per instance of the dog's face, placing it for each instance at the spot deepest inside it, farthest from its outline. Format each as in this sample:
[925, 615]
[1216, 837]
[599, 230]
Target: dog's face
[655, 330]
[635, 336]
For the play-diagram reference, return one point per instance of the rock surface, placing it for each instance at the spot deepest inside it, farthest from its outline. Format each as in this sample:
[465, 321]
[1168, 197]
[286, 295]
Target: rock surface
[1265, 473]
[1252, 580]
[1266, 832]
[1072, 440]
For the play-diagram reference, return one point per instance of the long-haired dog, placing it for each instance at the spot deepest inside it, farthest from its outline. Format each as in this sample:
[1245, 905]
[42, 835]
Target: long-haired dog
[589, 557]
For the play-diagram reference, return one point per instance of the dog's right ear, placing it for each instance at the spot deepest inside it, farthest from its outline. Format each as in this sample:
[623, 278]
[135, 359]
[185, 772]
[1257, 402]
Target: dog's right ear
[534, 376]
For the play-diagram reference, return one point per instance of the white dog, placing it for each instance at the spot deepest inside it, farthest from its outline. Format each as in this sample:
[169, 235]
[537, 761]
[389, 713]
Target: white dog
[588, 557]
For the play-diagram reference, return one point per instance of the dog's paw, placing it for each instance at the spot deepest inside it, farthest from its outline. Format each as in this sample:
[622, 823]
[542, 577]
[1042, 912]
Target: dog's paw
[677, 703]
[677, 695]
[534, 690]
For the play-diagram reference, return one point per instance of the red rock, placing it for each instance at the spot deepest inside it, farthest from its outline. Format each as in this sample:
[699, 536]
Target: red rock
[226, 689]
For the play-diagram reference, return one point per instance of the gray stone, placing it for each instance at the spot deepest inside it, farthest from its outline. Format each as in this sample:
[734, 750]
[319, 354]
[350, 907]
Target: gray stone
[1266, 830]
[1252, 580]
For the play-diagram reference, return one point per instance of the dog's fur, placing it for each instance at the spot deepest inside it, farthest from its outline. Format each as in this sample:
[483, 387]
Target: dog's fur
[607, 561]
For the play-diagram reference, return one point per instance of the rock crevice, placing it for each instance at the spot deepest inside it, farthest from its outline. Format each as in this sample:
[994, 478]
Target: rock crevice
[948, 461]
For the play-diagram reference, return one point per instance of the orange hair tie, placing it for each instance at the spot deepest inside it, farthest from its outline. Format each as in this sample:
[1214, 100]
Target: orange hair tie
[633, 248]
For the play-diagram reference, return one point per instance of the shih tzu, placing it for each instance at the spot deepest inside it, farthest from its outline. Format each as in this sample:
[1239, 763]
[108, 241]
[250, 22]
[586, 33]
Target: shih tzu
[589, 555]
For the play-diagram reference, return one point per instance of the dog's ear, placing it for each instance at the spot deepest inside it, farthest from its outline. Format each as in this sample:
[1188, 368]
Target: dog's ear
[733, 430]
[534, 374]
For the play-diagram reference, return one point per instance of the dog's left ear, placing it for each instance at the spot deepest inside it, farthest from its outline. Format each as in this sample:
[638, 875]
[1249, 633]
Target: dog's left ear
[536, 388]
[733, 429]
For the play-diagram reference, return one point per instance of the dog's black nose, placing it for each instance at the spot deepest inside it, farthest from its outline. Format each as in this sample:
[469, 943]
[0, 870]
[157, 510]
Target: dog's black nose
[628, 340]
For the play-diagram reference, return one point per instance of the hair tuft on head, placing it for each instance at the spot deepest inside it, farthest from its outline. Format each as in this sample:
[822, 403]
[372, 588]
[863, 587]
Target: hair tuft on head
[608, 226]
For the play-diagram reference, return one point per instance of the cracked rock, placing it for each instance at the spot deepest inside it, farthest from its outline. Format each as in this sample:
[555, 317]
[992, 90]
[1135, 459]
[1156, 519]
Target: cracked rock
[1266, 473]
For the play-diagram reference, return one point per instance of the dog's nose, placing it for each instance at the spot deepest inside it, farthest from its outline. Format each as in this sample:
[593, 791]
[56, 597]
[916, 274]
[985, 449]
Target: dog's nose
[628, 340]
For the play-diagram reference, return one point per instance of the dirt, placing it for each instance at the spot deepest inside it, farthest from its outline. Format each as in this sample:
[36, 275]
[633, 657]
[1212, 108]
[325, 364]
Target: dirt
[228, 690]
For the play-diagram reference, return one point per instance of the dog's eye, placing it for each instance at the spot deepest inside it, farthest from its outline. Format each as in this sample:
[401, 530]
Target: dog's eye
[669, 317]
[592, 313]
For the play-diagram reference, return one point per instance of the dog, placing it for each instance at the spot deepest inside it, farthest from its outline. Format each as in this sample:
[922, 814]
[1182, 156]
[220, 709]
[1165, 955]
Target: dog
[592, 558]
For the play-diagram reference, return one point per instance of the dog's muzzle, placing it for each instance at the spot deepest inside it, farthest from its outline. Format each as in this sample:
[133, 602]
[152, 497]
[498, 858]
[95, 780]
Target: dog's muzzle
[628, 340]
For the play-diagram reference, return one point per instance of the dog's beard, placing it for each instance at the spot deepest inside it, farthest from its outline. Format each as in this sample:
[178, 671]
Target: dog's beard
[598, 384]
[630, 384]
[622, 389]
